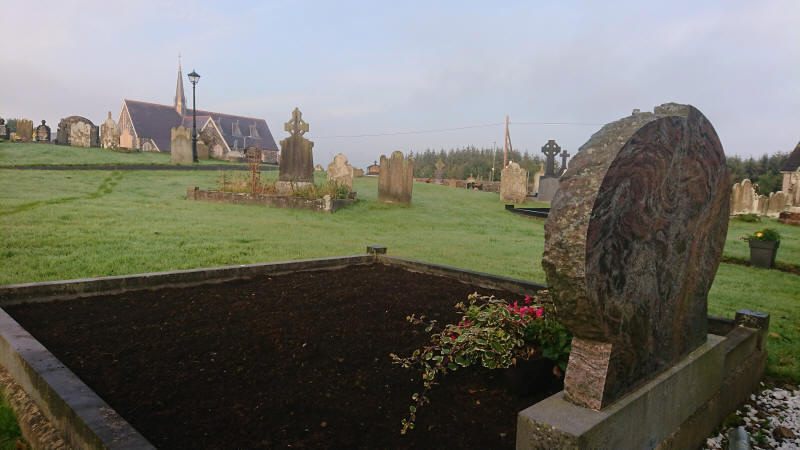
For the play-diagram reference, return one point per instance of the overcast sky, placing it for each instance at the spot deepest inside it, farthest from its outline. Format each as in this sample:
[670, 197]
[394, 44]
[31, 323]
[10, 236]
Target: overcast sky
[361, 68]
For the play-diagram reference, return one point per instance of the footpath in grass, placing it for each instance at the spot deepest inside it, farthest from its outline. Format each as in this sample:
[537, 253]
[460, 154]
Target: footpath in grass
[74, 224]
[26, 154]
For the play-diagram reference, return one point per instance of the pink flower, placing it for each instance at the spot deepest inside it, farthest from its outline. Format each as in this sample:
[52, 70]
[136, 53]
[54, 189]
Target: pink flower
[527, 299]
[540, 313]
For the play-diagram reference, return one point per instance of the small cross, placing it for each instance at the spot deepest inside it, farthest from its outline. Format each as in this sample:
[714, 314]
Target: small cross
[564, 156]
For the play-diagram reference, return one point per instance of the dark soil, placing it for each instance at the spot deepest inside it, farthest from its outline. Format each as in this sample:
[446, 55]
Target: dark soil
[299, 360]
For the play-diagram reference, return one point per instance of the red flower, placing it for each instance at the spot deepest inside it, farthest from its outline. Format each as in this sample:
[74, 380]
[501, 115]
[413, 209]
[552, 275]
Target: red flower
[527, 299]
[540, 313]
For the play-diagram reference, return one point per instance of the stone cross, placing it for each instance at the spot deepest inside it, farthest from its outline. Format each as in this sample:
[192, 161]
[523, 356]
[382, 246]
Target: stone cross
[550, 150]
[632, 244]
[438, 174]
[564, 155]
[296, 126]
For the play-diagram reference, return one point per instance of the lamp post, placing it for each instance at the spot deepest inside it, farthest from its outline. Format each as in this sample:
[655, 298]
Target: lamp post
[194, 77]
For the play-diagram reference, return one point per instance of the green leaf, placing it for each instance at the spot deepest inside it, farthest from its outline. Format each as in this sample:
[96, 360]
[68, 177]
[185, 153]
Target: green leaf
[452, 366]
[412, 408]
[461, 361]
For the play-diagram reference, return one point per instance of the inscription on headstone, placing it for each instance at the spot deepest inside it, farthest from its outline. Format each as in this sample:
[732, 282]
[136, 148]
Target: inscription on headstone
[396, 179]
[632, 245]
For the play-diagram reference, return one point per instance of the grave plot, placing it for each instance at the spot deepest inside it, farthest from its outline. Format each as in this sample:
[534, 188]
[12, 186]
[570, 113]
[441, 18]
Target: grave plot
[298, 359]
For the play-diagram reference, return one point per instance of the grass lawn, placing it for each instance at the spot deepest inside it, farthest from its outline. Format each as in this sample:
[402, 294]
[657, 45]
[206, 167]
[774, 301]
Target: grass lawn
[57, 225]
[22, 154]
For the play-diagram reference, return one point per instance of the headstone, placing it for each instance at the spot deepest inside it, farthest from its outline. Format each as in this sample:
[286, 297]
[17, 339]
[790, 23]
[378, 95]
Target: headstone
[395, 179]
[744, 199]
[536, 178]
[125, 139]
[25, 130]
[80, 134]
[775, 204]
[358, 173]
[513, 184]
[202, 150]
[43, 133]
[548, 183]
[109, 134]
[3, 129]
[180, 145]
[318, 168]
[632, 244]
[550, 150]
[297, 160]
[437, 176]
[564, 155]
[340, 171]
[65, 130]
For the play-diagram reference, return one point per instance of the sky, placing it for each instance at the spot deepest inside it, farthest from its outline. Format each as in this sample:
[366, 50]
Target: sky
[559, 70]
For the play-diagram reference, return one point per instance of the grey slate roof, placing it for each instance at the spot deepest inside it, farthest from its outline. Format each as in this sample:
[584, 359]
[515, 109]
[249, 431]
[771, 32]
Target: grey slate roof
[793, 161]
[225, 122]
[155, 121]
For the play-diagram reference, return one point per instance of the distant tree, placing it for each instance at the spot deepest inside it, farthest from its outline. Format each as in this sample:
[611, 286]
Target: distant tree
[766, 171]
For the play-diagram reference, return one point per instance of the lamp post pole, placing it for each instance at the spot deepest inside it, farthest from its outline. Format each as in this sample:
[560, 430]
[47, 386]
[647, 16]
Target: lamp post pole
[194, 78]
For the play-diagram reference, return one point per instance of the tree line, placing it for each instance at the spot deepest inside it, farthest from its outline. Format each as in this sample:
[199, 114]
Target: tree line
[461, 163]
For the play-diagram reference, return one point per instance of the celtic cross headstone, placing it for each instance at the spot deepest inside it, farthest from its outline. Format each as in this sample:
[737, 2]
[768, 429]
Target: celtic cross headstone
[550, 150]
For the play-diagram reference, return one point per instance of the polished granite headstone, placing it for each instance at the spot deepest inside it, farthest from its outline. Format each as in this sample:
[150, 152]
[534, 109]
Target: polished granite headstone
[632, 245]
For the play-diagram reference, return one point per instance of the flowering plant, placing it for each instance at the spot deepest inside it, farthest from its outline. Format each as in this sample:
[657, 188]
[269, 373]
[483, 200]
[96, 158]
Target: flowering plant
[767, 234]
[491, 332]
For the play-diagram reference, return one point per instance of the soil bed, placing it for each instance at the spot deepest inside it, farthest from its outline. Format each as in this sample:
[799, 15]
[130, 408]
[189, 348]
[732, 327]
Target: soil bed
[296, 360]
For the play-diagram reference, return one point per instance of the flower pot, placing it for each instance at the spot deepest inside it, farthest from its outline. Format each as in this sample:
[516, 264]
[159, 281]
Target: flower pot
[762, 253]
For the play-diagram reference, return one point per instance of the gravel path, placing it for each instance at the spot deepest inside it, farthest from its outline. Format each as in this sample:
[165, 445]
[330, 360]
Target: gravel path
[771, 418]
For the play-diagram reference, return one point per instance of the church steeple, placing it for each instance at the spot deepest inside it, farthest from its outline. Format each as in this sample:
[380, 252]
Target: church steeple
[180, 99]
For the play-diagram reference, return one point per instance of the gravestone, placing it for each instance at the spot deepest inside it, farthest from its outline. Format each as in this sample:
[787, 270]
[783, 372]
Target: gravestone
[25, 130]
[564, 155]
[109, 134]
[125, 139]
[340, 171]
[3, 129]
[437, 176]
[632, 244]
[64, 131]
[548, 183]
[80, 134]
[538, 175]
[202, 150]
[395, 179]
[43, 133]
[180, 145]
[297, 160]
[513, 184]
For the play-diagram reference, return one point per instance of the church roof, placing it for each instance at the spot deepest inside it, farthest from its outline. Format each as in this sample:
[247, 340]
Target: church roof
[153, 121]
[792, 163]
[242, 132]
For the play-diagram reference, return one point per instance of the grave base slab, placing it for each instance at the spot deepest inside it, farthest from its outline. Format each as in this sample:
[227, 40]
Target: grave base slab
[679, 408]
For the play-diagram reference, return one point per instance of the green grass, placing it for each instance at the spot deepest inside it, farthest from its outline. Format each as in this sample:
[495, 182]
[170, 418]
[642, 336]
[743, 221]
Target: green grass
[9, 428]
[788, 251]
[58, 225]
[56, 155]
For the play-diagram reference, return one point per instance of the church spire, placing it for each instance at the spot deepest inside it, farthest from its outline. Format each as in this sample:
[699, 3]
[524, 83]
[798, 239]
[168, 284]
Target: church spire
[180, 99]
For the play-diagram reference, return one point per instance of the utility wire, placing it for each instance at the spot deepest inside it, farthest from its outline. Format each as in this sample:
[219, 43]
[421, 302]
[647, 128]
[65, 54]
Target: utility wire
[442, 130]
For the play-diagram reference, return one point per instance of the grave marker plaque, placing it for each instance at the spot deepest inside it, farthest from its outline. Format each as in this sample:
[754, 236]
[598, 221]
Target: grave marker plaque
[632, 245]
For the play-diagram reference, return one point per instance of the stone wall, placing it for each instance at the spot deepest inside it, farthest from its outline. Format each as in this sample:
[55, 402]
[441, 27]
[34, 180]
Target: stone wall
[324, 205]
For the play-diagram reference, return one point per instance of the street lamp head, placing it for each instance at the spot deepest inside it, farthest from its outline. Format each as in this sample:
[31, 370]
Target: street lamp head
[194, 77]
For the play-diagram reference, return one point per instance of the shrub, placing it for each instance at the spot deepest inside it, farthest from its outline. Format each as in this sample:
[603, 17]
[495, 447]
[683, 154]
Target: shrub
[491, 332]
[748, 218]
[766, 234]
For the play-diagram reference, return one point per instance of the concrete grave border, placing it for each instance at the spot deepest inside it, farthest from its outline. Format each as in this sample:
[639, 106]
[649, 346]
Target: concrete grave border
[733, 362]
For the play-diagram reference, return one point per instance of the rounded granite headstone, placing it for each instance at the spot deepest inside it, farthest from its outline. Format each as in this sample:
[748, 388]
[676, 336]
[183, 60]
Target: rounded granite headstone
[633, 241]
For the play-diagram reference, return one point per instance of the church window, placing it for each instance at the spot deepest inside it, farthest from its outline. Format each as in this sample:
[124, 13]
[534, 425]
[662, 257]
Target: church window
[254, 131]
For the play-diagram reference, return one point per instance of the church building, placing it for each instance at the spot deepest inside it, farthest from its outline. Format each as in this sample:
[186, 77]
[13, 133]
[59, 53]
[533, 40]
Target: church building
[146, 127]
